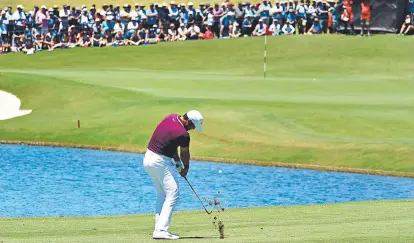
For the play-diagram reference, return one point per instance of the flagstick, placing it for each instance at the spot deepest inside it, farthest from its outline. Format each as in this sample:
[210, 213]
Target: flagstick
[265, 58]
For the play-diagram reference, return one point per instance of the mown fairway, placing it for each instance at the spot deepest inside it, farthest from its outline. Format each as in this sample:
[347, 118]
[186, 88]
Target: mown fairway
[376, 222]
[327, 100]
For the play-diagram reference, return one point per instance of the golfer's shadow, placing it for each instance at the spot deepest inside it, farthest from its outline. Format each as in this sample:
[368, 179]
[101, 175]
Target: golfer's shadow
[198, 237]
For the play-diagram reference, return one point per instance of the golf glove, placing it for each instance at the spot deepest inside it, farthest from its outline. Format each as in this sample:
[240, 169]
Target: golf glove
[179, 165]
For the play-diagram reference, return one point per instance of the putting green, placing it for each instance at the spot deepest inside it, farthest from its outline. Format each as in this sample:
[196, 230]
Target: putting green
[376, 222]
[328, 100]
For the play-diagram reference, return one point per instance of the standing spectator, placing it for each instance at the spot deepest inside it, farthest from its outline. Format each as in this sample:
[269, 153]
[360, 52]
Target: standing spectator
[291, 17]
[277, 13]
[366, 8]
[64, 19]
[264, 10]
[43, 17]
[323, 15]
[152, 15]
[19, 20]
[310, 14]
[173, 13]
[347, 16]
[225, 23]
[333, 18]
[217, 14]
[3, 26]
[9, 22]
[301, 17]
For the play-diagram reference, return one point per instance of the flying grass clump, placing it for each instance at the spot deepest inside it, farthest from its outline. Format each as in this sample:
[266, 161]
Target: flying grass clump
[217, 222]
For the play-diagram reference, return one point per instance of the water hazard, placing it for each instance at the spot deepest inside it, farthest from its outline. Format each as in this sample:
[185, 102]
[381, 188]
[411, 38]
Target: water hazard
[46, 181]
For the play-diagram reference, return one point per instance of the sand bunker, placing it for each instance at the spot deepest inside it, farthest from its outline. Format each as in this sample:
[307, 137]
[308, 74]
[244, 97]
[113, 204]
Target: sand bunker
[10, 106]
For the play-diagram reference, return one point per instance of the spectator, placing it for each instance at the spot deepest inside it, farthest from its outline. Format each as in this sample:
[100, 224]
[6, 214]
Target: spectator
[366, 8]
[134, 40]
[264, 10]
[323, 15]
[288, 28]
[43, 17]
[20, 20]
[235, 31]
[182, 32]
[246, 27]
[275, 28]
[333, 20]
[260, 29]
[29, 48]
[277, 13]
[301, 17]
[217, 14]
[347, 16]
[316, 27]
[225, 23]
[172, 33]
[407, 25]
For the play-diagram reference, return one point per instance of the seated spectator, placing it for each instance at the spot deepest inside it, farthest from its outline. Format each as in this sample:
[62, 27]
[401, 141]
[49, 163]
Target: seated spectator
[246, 27]
[275, 28]
[84, 40]
[95, 40]
[161, 34]
[407, 25]
[260, 28]
[172, 33]
[316, 27]
[288, 28]
[235, 31]
[194, 32]
[132, 27]
[5, 47]
[118, 39]
[182, 32]
[209, 35]
[29, 48]
[134, 40]
[151, 36]
[38, 42]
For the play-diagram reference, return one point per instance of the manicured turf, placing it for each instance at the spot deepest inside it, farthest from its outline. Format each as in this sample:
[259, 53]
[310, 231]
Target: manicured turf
[327, 100]
[381, 221]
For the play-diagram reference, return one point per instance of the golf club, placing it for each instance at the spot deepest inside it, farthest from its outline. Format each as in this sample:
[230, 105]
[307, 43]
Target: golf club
[197, 196]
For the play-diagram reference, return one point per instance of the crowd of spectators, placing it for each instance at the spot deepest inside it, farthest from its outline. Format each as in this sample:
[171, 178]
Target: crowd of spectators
[48, 28]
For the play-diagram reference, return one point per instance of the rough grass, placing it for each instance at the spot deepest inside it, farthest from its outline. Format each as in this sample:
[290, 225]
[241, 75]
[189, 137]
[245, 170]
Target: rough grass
[376, 222]
[327, 100]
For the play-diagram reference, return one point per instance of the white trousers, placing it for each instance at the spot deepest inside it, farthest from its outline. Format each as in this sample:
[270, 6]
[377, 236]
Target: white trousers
[164, 176]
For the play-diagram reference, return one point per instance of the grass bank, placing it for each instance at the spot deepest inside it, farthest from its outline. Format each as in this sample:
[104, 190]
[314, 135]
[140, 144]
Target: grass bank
[330, 101]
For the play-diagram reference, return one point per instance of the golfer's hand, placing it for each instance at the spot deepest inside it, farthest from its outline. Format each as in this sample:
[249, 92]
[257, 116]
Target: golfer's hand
[184, 172]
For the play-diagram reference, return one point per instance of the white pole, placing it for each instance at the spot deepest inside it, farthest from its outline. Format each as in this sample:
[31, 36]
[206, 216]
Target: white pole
[265, 57]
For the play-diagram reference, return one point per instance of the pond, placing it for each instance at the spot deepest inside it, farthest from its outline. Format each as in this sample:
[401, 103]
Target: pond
[48, 181]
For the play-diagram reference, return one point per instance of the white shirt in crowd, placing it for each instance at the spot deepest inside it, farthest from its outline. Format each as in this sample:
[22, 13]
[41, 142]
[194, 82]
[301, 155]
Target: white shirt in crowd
[274, 27]
[194, 30]
[259, 29]
[119, 27]
[132, 27]
[64, 13]
[276, 9]
[19, 17]
[182, 31]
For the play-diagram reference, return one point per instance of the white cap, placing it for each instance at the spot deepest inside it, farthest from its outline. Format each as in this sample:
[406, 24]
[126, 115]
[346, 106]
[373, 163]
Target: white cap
[196, 118]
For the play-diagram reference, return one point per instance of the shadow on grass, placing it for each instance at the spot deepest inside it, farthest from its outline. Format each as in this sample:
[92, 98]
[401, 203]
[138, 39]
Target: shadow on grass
[198, 237]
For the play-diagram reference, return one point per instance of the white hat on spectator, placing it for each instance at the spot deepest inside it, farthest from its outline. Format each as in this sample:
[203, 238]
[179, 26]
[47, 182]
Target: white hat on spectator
[84, 6]
[97, 20]
[84, 9]
[126, 5]
[20, 6]
[136, 4]
[230, 13]
[164, 4]
[43, 7]
[172, 3]
[182, 4]
[182, 24]
[261, 20]
[50, 9]
[190, 4]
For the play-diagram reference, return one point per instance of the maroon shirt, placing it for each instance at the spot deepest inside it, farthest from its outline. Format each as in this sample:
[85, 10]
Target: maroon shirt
[168, 135]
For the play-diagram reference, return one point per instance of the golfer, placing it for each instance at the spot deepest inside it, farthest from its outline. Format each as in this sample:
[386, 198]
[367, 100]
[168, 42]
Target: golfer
[162, 162]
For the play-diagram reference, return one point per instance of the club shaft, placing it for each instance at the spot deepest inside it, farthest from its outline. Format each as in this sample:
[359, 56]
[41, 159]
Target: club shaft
[197, 196]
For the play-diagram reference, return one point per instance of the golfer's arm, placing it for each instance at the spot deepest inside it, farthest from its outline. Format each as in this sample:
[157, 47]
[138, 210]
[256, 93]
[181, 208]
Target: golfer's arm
[185, 156]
